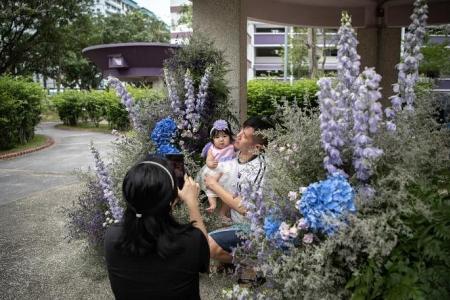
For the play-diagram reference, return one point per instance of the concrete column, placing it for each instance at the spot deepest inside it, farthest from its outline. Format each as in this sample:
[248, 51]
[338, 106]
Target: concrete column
[225, 21]
[380, 48]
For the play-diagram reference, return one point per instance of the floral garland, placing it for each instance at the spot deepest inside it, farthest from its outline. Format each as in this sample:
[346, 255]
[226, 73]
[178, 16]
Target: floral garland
[408, 68]
[105, 183]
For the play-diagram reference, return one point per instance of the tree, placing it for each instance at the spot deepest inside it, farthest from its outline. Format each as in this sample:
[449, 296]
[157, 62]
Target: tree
[90, 30]
[133, 27]
[28, 26]
[185, 15]
[298, 53]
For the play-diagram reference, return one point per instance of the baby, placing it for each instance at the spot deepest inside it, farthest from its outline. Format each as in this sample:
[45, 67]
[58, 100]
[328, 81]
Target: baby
[219, 150]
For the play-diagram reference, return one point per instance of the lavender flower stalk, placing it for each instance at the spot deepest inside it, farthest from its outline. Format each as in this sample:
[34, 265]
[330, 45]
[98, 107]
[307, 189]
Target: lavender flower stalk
[347, 69]
[202, 90]
[175, 102]
[331, 131]
[190, 116]
[367, 116]
[127, 101]
[408, 73]
[106, 186]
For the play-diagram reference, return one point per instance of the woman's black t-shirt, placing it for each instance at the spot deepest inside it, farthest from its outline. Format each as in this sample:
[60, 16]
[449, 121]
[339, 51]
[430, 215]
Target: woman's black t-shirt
[151, 277]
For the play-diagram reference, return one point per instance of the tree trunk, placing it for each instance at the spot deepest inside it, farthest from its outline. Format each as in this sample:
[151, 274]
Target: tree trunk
[312, 40]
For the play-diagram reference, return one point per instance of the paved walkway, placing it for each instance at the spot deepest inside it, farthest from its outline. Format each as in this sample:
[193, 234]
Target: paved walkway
[36, 261]
[51, 167]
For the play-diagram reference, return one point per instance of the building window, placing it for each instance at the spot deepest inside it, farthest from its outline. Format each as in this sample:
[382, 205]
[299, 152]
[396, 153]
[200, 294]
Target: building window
[267, 51]
[269, 73]
[269, 30]
[330, 52]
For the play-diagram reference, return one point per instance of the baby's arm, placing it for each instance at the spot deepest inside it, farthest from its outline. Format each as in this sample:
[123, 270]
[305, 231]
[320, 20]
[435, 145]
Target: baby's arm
[211, 162]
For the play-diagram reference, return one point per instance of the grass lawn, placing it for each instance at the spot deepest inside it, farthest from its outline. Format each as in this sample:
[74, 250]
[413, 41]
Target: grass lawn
[37, 141]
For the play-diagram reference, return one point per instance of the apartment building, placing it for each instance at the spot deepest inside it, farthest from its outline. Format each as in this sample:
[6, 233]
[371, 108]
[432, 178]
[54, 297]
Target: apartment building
[268, 44]
[179, 34]
[107, 7]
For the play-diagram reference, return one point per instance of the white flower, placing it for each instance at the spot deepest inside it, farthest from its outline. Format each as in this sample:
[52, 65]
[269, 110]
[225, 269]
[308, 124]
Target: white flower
[292, 196]
[293, 232]
[284, 231]
[107, 213]
[281, 149]
[302, 189]
[105, 224]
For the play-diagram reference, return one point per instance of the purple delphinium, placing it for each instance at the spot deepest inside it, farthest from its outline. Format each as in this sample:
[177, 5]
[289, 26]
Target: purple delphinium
[202, 91]
[175, 102]
[87, 216]
[191, 116]
[331, 132]
[105, 183]
[253, 202]
[127, 100]
[408, 68]
[367, 116]
[347, 69]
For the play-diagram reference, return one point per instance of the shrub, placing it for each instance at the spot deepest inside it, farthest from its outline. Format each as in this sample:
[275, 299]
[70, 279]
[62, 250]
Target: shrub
[263, 94]
[69, 105]
[95, 106]
[20, 108]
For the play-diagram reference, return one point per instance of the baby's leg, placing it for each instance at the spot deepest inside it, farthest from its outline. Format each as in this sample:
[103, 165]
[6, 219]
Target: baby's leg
[224, 213]
[212, 204]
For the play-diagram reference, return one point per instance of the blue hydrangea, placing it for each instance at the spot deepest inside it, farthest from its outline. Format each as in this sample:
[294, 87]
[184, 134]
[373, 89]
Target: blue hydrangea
[271, 226]
[163, 134]
[326, 203]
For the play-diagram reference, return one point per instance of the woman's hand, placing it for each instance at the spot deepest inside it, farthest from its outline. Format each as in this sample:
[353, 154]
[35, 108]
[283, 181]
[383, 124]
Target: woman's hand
[189, 193]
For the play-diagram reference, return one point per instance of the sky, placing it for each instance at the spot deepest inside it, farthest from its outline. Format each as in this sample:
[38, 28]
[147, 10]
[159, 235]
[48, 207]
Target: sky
[160, 8]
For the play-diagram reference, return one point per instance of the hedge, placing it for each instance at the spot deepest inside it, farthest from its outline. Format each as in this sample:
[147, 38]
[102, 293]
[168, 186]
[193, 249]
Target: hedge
[20, 109]
[262, 94]
[74, 106]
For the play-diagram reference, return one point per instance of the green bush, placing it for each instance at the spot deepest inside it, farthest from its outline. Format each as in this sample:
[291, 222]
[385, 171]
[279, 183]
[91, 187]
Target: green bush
[20, 109]
[69, 105]
[263, 94]
[95, 106]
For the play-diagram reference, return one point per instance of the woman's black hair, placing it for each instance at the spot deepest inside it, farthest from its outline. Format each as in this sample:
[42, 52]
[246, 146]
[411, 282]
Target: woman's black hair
[214, 132]
[148, 191]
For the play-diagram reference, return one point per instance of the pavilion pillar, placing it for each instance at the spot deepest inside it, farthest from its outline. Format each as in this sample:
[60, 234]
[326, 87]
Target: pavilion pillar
[225, 22]
[380, 48]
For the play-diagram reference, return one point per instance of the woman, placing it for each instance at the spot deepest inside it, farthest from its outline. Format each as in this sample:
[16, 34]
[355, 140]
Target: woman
[150, 255]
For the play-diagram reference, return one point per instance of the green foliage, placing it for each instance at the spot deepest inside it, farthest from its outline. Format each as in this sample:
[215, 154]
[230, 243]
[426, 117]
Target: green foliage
[31, 33]
[95, 106]
[419, 265]
[263, 95]
[20, 108]
[436, 60]
[134, 26]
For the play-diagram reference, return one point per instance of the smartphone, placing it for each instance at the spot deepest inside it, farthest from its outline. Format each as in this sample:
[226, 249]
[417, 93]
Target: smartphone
[176, 161]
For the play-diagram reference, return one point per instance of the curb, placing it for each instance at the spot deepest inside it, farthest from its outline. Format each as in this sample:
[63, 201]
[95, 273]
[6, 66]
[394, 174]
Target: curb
[47, 144]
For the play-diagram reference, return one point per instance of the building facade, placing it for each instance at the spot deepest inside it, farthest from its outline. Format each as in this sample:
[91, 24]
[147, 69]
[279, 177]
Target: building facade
[179, 33]
[107, 7]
